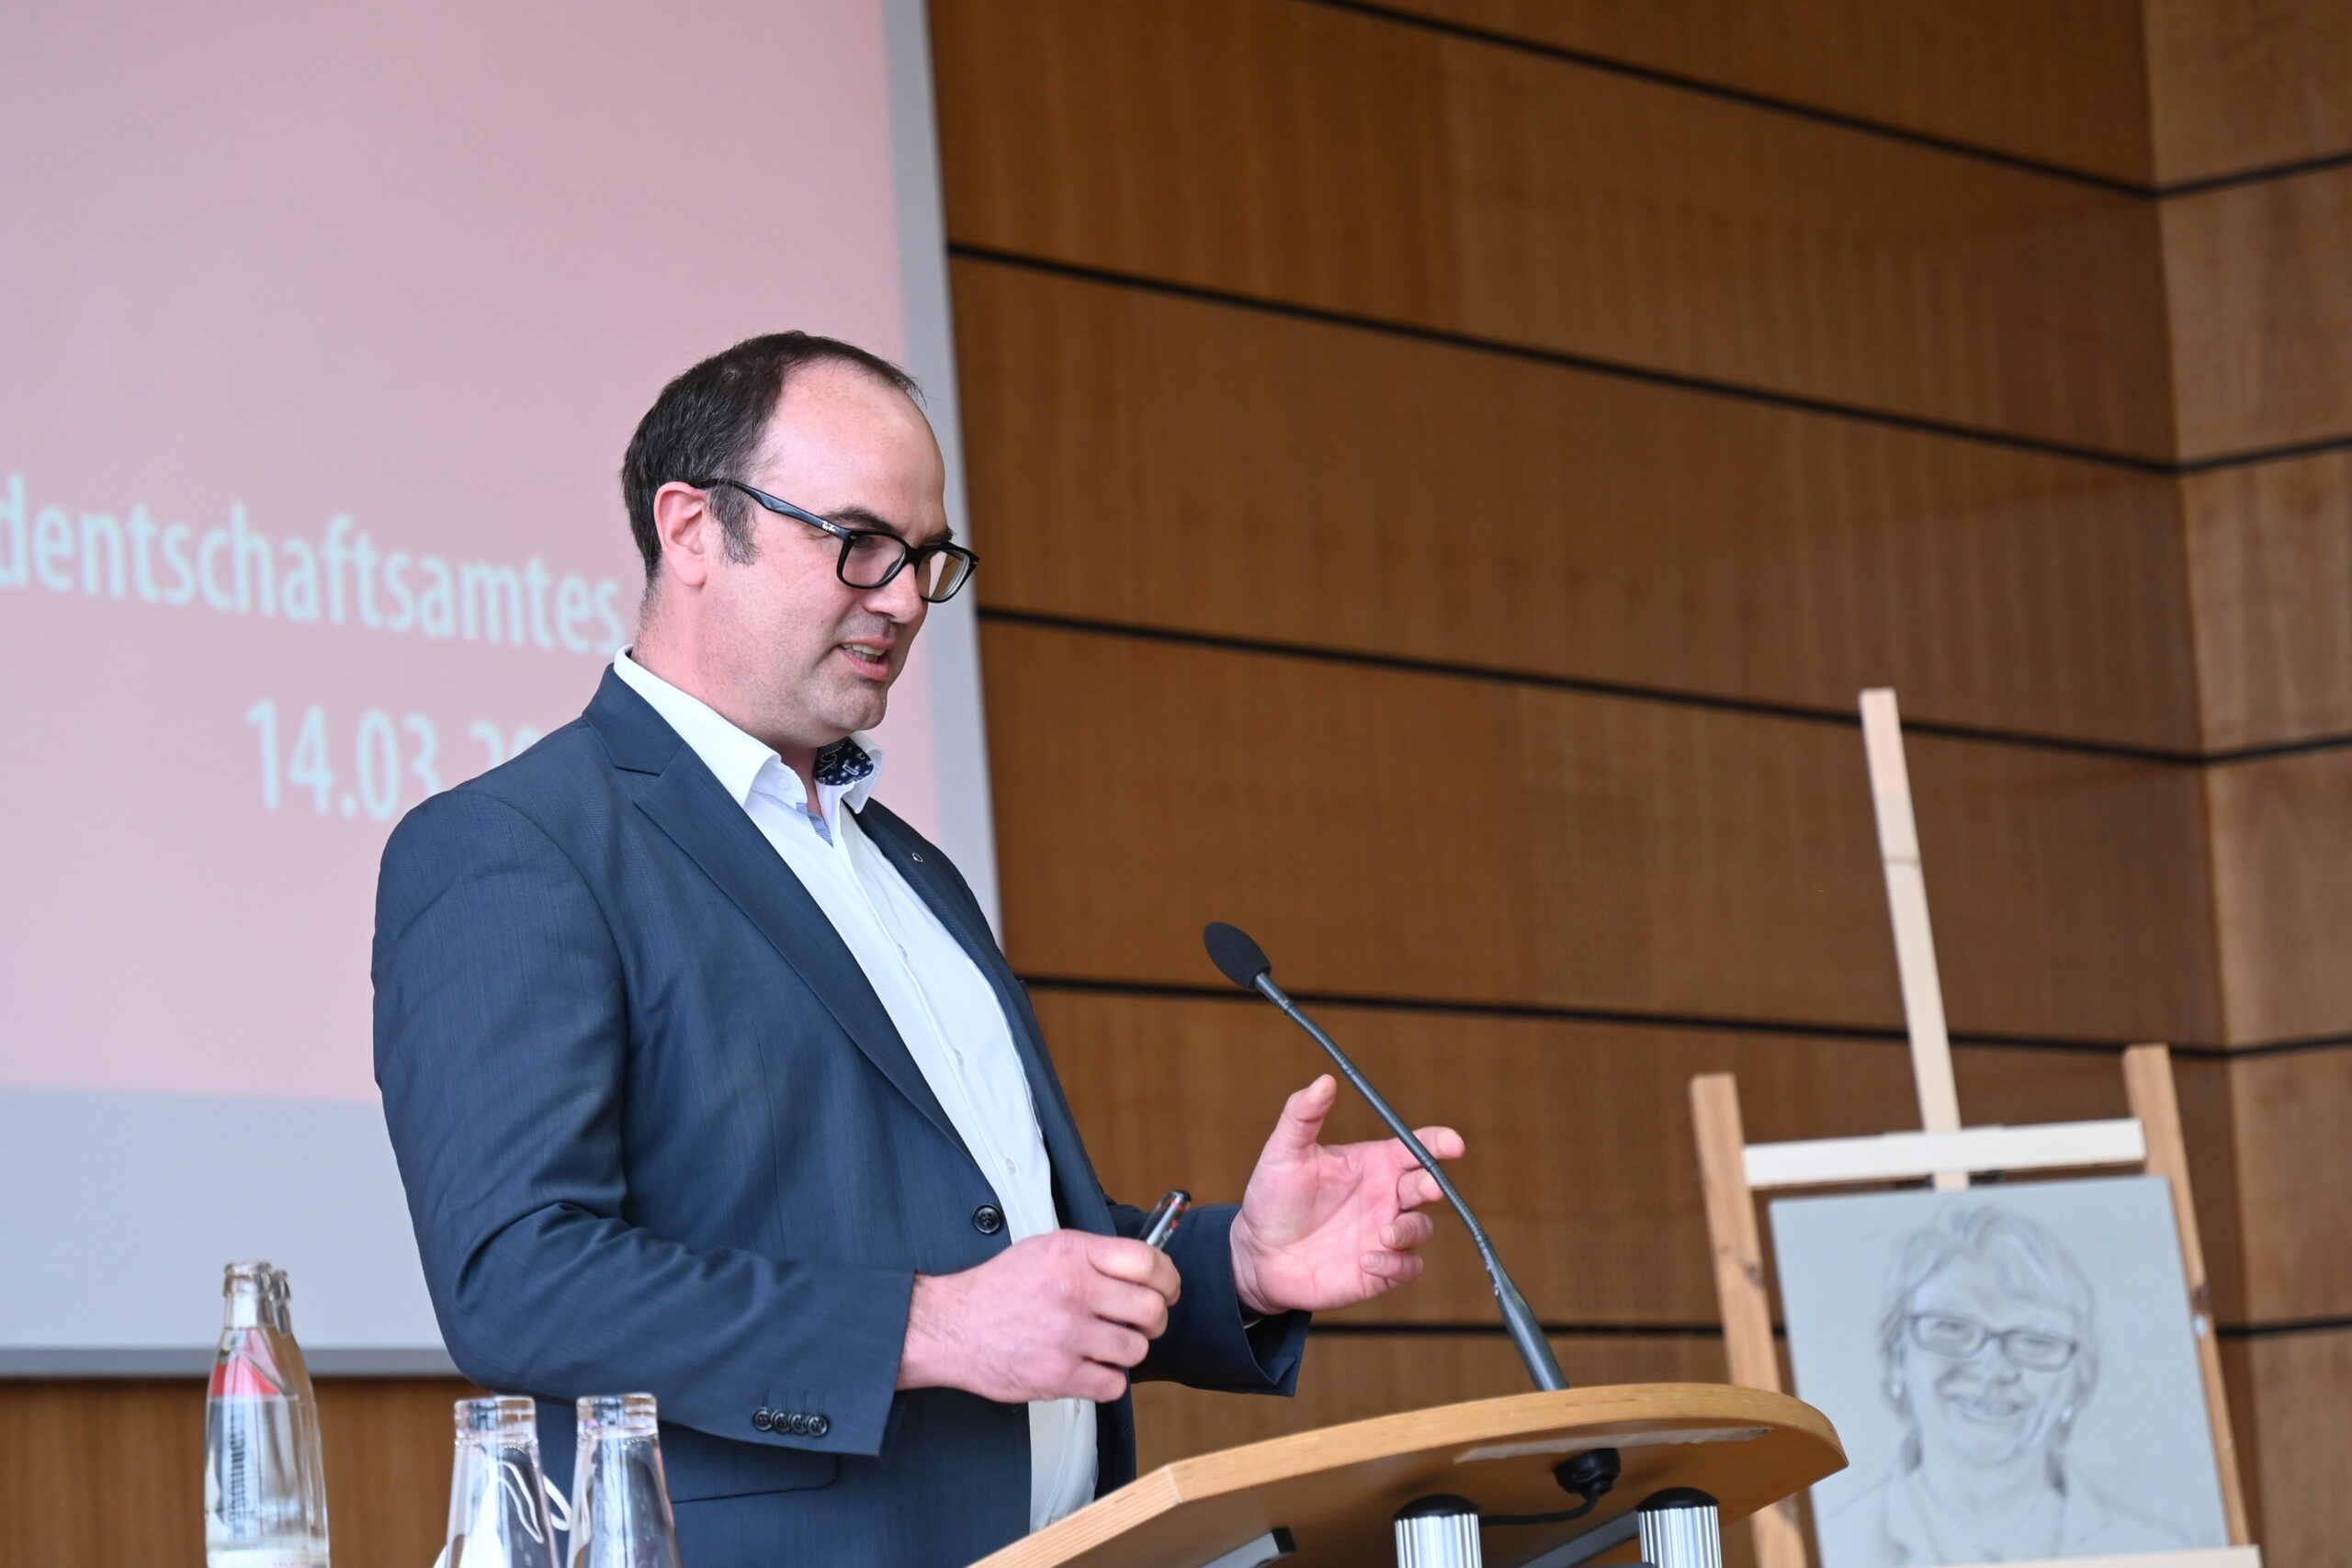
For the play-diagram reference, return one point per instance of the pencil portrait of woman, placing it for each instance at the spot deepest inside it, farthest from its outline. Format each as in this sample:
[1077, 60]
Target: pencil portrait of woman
[1989, 1351]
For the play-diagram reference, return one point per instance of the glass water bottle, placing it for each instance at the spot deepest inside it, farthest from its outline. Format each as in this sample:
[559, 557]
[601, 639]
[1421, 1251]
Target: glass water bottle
[265, 1483]
[620, 1501]
[498, 1491]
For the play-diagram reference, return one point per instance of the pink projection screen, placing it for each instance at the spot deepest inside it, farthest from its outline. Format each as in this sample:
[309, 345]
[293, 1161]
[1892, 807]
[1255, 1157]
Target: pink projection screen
[325, 329]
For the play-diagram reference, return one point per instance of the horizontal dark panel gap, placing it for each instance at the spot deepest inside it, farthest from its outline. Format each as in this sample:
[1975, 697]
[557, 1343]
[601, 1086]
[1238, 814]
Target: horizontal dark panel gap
[1536, 1012]
[1533, 1012]
[1755, 707]
[2142, 190]
[969, 251]
[2288, 1047]
[2279, 749]
[2160, 467]
[1744, 96]
[2292, 1325]
[2259, 454]
[2319, 163]
[1481, 1328]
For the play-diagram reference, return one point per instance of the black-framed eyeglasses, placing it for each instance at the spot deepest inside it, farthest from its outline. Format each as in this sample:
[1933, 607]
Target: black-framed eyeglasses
[1948, 1334]
[872, 556]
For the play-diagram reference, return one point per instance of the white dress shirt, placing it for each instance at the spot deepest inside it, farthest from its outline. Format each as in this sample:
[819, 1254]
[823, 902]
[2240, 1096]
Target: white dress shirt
[942, 1006]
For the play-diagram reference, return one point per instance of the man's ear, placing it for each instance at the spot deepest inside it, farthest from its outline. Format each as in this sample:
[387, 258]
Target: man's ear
[689, 533]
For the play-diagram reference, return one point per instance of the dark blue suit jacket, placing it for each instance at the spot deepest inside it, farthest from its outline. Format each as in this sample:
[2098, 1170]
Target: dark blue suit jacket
[659, 1135]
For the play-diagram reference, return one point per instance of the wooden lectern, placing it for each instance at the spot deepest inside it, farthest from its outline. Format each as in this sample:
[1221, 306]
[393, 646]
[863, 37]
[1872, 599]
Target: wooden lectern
[1332, 1495]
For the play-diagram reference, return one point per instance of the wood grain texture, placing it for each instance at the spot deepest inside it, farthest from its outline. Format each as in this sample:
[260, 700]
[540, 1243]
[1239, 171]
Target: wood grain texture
[1350, 1377]
[1431, 836]
[2237, 1377]
[2063, 85]
[1327, 159]
[2295, 1178]
[2205, 1092]
[2243, 85]
[2282, 894]
[1581, 1158]
[1775, 1534]
[1168, 462]
[104, 1472]
[2156, 1104]
[2300, 1403]
[2260, 304]
[1734, 1243]
[1338, 1488]
[2270, 584]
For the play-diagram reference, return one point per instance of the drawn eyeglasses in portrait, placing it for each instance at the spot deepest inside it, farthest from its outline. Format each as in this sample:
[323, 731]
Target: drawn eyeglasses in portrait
[1947, 1334]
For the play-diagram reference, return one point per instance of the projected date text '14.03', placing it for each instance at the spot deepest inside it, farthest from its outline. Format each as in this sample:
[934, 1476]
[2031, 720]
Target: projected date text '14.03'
[373, 769]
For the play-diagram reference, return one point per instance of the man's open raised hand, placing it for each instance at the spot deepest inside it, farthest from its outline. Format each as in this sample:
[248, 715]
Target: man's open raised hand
[1328, 1226]
[1061, 1315]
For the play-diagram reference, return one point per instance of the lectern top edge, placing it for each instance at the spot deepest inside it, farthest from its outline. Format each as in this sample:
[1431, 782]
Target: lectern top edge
[1337, 1489]
[1628, 1410]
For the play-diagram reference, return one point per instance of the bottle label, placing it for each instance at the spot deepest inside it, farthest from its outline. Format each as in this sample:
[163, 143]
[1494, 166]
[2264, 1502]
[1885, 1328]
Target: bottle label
[263, 1557]
[246, 1370]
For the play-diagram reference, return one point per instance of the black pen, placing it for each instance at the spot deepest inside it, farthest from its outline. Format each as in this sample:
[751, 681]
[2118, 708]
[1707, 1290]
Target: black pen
[1162, 1222]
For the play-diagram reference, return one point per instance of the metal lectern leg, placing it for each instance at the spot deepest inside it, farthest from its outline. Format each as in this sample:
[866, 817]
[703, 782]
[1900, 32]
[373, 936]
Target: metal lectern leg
[1438, 1532]
[1679, 1529]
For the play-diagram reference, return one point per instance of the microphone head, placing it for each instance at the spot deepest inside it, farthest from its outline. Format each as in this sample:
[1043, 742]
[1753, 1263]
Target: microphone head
[1237, 957]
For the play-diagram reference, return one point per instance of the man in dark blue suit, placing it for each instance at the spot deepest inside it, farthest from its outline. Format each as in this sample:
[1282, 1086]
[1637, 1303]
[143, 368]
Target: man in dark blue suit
[708, 1079]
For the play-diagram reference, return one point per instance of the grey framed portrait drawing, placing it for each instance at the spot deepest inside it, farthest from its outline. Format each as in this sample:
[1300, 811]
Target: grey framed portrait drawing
[2013, 1369]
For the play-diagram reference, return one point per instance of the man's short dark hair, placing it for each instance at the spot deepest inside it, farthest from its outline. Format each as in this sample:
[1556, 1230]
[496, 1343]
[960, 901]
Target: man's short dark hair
[706, 425]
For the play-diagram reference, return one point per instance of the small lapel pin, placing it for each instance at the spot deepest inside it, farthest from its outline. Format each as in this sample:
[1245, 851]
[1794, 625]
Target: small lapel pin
[918, 858]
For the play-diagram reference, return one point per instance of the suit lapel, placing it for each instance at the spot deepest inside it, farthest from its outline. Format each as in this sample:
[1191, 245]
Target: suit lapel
[719, 835]
[925, 870]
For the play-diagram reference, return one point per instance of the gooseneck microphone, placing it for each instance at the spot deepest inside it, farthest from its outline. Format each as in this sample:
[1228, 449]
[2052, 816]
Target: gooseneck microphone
[1244, 963]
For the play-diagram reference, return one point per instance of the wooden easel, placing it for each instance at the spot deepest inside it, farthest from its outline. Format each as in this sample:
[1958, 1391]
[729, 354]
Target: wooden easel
[1732, 1170]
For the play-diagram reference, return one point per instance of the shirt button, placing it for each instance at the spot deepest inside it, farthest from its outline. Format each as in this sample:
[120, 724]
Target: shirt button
[1010, 1167]
[987, 1219]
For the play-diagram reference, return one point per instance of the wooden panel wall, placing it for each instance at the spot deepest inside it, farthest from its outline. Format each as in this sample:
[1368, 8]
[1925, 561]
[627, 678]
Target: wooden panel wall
[1464, 839]
[2253, 94]
[1346, 162]
[2240, 85]
[2282, 865]
[2260, 305]
[1498, 511]
[1446, 467]
[2270, 568]
[2060, 84]
[103, 1473]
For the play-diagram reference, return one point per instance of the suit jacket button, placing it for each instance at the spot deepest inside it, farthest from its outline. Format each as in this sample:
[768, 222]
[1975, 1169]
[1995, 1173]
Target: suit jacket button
[819, 1426]
[764, 1419]
[799, 1424]
[987, 1219]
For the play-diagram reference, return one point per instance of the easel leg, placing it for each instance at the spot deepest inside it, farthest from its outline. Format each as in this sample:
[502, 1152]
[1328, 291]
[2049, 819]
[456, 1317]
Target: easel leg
[1739, 1282]
[2147, 1078]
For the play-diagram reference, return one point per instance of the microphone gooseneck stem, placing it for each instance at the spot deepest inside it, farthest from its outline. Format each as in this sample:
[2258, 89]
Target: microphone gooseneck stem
[1517, 1317]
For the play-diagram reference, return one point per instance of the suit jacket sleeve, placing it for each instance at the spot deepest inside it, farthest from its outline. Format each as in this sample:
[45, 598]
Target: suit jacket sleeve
[500, 1048]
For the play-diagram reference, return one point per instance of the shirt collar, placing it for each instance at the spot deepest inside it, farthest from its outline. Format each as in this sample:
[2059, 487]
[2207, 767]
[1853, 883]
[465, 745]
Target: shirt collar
[846, 771]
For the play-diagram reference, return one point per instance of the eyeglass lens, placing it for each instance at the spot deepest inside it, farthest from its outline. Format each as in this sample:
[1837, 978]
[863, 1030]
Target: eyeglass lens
[1944, 1333]
[868, 560]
